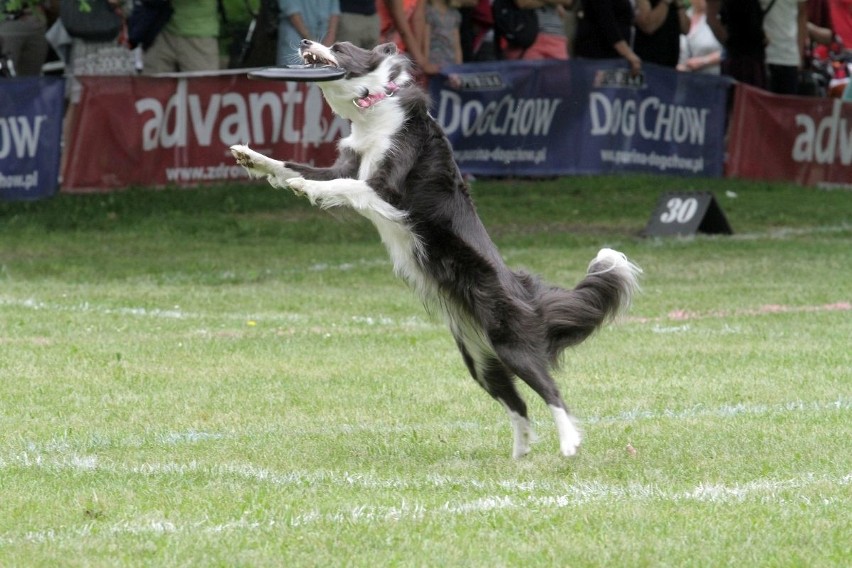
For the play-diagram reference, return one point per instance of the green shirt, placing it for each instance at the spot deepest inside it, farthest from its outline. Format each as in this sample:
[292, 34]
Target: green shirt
[194, 18]
[15, 5]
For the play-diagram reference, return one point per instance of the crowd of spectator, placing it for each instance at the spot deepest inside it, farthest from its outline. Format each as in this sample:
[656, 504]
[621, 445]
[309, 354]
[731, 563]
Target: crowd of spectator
[767, 43]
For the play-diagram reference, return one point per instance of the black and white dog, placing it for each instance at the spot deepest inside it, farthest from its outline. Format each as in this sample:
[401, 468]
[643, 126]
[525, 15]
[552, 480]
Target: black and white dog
[396, 168]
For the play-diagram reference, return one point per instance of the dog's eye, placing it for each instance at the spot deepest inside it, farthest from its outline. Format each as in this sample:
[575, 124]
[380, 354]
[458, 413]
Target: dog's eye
[335, 48]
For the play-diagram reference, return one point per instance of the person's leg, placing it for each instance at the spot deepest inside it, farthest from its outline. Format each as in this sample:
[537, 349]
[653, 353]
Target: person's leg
[23, 41]
[783, 79]
[160, 57]
[197, 53]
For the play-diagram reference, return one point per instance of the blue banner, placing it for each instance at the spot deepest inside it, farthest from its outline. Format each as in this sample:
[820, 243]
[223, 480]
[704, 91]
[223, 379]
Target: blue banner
[31, 110]
[540, 118]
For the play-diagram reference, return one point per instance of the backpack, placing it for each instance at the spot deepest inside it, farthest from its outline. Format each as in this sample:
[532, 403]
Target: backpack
[518, 26]
[744, 21]
[99, 21]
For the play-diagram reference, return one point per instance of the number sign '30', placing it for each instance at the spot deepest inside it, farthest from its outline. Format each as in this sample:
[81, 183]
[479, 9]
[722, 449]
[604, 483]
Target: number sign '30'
[687, 214]
[679, 210]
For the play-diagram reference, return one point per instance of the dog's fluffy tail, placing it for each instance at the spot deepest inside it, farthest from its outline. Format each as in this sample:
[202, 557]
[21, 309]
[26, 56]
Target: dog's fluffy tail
[607, 290]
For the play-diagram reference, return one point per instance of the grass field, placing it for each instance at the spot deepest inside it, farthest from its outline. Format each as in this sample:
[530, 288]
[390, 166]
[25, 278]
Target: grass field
[227, 377]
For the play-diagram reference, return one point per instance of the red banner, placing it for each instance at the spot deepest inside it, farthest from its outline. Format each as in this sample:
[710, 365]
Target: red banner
[806, 140]
[159, 131]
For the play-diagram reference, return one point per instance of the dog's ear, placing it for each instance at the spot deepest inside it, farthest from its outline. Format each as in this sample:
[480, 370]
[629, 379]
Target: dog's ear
[389, 48]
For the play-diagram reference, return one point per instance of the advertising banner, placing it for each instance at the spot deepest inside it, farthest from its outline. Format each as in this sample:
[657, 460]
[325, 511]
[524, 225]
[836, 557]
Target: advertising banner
[803, 139]
[668, 122]
[159, 131]
[581, 116]
[507, 117]
[31, 110]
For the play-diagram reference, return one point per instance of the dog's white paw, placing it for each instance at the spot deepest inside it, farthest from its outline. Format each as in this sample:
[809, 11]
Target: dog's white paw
[298, 185]
[522, 434]
[257, 165]
[248, 159]
[569, 435]
[571, 444]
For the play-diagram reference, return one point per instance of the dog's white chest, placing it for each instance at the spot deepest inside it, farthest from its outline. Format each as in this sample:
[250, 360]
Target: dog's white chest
[373, 144]
[402, 247]
[374, 141]
[369, 163]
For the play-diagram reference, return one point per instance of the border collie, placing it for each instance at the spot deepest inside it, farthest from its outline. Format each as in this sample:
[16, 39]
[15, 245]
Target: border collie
[396, 168]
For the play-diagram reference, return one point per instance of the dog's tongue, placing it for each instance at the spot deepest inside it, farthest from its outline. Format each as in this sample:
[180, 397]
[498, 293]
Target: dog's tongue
[371, 99]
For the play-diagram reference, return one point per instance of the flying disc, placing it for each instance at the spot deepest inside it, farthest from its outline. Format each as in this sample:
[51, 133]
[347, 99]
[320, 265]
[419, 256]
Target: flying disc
[298, 73]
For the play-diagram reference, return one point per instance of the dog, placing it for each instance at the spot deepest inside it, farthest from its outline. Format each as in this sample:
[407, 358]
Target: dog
[396, 168]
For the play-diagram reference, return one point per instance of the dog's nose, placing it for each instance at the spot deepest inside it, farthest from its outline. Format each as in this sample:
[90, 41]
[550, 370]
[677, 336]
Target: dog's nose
[306, 43]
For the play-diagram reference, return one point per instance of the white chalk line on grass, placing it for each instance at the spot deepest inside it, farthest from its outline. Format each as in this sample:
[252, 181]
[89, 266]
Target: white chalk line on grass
[775, 492]
[83, 463]
[724, 411]
[60, 455]
[788, 232]
[343, 266]
[60, 445]
[501, 494]
[176, 312]
[86, 307]
[764, 310]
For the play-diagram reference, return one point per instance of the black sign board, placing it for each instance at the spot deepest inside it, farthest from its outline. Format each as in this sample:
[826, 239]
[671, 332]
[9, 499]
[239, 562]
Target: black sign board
[687, 213]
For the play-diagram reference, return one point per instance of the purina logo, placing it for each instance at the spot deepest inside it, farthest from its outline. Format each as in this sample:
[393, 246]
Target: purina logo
[619, 79]
[476, 81]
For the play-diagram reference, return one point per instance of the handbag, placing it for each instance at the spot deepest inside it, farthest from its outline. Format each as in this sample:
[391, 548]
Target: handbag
[100, 23]
[146, 21]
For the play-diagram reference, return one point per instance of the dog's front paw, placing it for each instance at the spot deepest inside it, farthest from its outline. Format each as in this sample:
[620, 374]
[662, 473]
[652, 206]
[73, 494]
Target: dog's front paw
[245, 157]
[258, 165]
[297, 185]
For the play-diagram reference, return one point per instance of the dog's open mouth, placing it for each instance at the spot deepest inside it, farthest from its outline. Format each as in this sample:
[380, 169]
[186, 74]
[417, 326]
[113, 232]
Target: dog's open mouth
[312, 58]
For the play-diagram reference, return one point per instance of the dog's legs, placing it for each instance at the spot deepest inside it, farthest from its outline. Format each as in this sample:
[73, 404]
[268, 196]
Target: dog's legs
[535, 374]
[499, 384]
[348, 192]
[258, 165]
[522, 431]
[497, 381]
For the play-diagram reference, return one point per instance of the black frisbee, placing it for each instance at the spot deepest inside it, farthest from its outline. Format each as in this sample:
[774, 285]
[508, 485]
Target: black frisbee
[298, 73]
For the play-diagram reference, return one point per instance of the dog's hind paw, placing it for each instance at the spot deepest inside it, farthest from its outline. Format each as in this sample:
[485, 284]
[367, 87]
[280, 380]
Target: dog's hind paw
[522, 434]
[569, 434]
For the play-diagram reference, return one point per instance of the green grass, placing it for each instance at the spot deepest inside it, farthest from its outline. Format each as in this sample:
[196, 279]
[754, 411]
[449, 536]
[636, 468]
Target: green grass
[228, 377]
